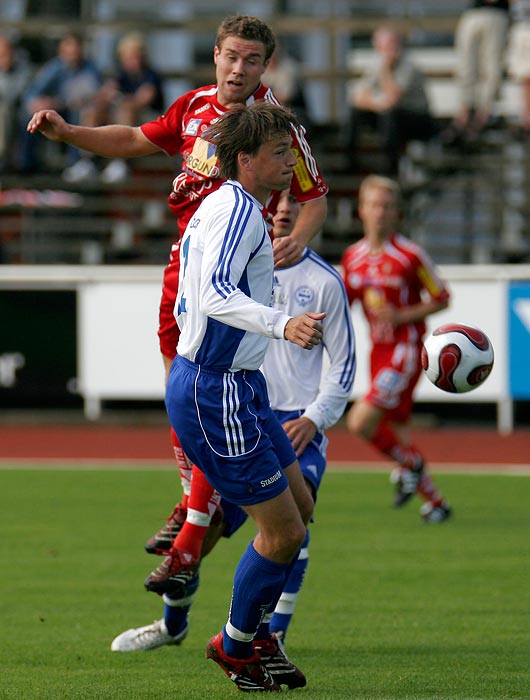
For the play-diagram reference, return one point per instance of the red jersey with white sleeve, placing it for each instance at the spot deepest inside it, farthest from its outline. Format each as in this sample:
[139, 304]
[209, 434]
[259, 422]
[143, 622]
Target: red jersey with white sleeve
[401, 274]
[179, 131]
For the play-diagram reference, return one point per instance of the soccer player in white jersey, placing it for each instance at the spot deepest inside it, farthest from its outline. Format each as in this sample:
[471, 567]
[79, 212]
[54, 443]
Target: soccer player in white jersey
[216, 396]
[304, 405]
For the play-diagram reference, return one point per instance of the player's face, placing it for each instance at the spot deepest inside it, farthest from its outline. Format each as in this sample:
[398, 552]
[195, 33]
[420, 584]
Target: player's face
[286, 214]
[271, 168]
[379, 212]
[239, 65]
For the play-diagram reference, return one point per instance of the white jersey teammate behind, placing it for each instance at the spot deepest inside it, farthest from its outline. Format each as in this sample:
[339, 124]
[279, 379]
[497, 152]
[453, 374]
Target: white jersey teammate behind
[305, 402]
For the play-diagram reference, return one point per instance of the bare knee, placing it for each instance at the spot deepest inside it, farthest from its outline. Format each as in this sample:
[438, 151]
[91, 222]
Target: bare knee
[363, 419]
[288, 542]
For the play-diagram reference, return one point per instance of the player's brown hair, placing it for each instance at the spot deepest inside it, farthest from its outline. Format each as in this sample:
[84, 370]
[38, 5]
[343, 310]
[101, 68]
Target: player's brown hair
[249, 28]
[244, 130]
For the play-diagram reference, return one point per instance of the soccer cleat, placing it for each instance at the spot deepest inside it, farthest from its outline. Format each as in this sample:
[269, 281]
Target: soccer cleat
[174, 573]
[248, 674]
[277, 664]
[435, 514]
[148, 637]
[406, 482]
[161, 542]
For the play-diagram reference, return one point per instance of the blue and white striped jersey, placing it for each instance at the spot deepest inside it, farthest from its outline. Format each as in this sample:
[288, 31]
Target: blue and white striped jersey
[224, 304]
[293, 374]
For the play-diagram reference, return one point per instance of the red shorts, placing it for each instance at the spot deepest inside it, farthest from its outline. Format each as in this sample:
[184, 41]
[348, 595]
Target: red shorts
[168, 331]
[394, 370]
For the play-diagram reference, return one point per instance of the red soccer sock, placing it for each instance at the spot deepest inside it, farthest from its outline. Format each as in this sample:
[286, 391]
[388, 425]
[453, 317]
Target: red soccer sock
[428, 491]
[387, 441]
[202, 503]
[184, 466]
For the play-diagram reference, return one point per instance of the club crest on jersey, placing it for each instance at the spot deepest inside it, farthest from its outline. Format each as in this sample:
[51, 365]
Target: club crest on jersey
[192, 127]
[304, 296]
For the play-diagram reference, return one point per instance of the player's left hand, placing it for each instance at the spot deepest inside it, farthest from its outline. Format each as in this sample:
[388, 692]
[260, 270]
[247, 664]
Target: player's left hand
[300, 432]
[305, 330]
[287, 251]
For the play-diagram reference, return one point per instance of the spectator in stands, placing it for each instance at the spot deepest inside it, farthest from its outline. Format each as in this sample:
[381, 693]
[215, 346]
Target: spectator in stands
[66, 83]
[519, 57]
[15, 75]
[391, 97]
[283, 76]
[132, 95]
[480, 39]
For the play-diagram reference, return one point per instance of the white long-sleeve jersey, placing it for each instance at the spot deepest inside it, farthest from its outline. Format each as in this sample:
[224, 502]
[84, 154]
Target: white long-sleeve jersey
[293, 374]
[224, 304]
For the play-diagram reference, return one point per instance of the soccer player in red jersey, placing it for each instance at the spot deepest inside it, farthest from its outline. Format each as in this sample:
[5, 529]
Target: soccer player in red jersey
[242, 51]
[398, 287]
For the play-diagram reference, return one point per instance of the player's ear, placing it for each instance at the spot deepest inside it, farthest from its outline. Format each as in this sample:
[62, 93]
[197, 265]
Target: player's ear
[245, 161]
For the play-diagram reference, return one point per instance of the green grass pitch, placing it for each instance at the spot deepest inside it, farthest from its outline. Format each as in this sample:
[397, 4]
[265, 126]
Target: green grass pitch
[391, 608]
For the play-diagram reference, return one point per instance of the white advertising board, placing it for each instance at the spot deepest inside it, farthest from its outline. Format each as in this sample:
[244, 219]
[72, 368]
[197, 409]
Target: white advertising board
[119, 357]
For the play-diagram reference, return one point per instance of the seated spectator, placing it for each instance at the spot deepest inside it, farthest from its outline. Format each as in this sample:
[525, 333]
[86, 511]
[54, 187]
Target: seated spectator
[518, 58]
[284, 77]
[390, 97]
[15, 75]
[480, 39]
[132, 95]
[66, 83]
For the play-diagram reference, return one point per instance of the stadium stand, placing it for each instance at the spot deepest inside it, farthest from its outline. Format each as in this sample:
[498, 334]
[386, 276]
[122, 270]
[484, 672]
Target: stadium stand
[465, 205]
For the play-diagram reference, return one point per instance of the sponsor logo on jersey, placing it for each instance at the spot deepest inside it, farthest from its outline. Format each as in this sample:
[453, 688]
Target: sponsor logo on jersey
[202, 160]
[202, 109]
[301, 172]
[192, 127]
[271, 479]
[304, 295]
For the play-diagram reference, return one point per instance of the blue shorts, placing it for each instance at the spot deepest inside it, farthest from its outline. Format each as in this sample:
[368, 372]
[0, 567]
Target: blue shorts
[312, 463]
[226, 426]
[313, 458]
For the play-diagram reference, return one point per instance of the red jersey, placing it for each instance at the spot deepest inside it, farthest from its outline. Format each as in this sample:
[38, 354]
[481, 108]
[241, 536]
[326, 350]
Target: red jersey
[401, 274]
[179, 131]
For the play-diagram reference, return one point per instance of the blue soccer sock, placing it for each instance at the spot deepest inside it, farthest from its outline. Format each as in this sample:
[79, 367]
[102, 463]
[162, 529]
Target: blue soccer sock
[177, 607]
[286, 604]
[258, 583]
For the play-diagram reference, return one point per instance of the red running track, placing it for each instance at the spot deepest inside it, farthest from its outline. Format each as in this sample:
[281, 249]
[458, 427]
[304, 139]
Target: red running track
[476, 448]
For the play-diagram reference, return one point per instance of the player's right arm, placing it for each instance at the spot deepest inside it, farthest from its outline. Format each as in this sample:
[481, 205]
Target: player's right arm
[112, 141]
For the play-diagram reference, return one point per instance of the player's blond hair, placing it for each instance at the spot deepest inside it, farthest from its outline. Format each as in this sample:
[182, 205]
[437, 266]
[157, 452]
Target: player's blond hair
[379, 182]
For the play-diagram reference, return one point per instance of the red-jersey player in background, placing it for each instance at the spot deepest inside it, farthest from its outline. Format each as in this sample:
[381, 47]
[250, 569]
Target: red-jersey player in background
[398, 287]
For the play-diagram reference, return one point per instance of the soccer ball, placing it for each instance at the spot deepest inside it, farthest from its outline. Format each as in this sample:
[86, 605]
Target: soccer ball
[457, 358]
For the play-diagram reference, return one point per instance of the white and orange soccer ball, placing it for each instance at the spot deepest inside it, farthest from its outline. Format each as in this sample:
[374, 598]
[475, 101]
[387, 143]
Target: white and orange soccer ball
[457, 358]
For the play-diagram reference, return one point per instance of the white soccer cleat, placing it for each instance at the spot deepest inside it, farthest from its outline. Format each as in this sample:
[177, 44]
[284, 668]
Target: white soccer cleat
[145, 638]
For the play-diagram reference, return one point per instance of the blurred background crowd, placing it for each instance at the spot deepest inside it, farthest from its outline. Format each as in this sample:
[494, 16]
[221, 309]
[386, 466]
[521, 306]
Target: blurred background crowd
[455, 134]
